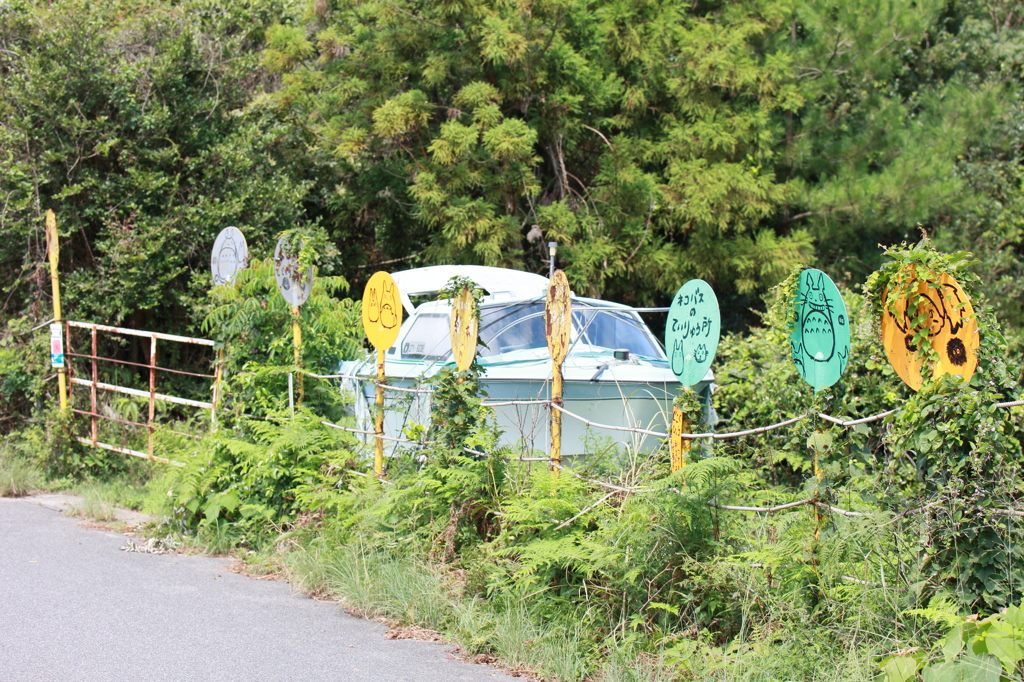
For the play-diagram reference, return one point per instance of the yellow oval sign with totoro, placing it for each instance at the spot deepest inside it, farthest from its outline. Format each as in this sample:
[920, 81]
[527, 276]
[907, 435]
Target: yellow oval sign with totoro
[935, 305]
[382, 310]
[463, 328]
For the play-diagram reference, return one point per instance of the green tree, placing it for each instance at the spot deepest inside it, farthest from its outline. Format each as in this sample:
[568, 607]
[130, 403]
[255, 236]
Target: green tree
[638, 135]
[897, 94]
[129, 120]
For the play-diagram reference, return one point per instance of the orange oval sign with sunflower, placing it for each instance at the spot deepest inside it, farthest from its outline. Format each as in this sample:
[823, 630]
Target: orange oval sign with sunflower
[933, 310]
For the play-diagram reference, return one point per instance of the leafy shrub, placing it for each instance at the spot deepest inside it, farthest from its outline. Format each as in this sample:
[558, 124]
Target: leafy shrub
[259, 478]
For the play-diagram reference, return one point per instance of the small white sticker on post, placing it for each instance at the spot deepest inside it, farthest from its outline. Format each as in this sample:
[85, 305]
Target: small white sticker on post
[56, 346]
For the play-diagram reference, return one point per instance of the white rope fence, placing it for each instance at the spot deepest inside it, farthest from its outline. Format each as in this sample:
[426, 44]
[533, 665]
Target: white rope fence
[728, 435]
[617, 489]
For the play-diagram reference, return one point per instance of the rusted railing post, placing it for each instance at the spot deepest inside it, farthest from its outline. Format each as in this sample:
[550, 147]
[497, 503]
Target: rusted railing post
[152, 393]
[92, 391]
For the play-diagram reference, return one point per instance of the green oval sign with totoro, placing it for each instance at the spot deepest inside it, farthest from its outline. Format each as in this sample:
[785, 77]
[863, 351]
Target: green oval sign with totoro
[821, 339]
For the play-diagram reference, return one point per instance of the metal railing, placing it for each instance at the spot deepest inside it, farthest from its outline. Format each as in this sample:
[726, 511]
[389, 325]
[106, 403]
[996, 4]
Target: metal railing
[94, 385]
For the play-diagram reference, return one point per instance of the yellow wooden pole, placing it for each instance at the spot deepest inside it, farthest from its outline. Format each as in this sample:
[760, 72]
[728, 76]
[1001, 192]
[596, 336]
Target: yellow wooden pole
[378, 446]
[820, 475]
[53, 247]
[679, 446]
[556, 417]
[218, 376]
[297, 343]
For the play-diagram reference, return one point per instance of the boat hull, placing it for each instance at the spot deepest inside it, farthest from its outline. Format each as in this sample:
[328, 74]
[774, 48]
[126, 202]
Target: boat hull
[525, 427]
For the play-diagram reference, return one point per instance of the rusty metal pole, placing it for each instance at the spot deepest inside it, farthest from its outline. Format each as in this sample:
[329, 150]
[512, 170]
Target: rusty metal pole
[152, 393]
[92, 391]
[378, 446]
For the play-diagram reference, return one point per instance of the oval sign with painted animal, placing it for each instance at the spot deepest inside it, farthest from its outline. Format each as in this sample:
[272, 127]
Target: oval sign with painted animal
[294, 284]
[821, 339]
[463, 328]
[943, 317]
[230, 254]
[382, 310]
[558, 317]
[692, 331]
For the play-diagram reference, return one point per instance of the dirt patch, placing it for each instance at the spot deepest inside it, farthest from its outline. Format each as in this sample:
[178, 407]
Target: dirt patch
[253, 572]
[413, 632]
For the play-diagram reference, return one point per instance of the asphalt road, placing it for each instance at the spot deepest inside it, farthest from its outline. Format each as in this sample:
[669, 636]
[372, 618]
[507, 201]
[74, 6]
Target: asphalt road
[75, 607]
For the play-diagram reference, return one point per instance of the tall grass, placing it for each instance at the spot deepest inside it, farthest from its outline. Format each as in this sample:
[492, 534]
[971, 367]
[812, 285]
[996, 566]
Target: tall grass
[18, 477]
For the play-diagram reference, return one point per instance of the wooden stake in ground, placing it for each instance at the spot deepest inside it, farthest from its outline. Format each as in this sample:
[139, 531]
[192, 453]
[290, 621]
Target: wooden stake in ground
[679, 446]
[53, 249]
[382, 319]
[558, 325]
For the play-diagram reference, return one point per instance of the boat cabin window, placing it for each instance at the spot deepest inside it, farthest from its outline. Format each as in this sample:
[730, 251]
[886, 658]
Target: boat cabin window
[507, 328]
[610, 328]
[428, 338]
[520, 326]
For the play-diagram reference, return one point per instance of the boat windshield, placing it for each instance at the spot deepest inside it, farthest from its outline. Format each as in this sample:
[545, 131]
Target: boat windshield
[428, 338]
[613, 328]
[506, 328]
[520, 326]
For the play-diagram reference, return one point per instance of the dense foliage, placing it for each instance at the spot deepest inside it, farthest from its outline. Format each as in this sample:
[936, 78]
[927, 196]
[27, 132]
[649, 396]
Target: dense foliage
[655, 140]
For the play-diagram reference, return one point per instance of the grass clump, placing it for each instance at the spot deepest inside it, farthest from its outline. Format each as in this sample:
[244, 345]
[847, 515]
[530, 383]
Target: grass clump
[18, 476]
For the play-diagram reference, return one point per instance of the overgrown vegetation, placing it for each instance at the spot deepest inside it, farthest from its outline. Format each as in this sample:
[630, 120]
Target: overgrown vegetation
[736, 141]
[648, 574]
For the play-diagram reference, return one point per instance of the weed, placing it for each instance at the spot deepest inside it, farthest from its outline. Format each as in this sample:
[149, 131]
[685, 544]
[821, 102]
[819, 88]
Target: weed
[217, 536]
[97, 503]
[18, 477]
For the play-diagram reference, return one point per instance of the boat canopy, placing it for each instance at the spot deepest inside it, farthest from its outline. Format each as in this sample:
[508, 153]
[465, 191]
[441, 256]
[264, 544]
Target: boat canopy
[519, 325]
[498, 283]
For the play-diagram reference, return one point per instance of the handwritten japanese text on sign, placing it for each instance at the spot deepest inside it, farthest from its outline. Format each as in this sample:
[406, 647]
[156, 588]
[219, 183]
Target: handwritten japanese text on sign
[692, 331]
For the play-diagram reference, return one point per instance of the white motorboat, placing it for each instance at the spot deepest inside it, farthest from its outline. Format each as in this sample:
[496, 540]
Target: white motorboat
[616, 372]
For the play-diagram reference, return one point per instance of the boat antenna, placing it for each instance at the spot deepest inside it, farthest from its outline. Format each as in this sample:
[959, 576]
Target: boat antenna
[552, 248]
